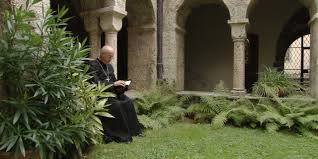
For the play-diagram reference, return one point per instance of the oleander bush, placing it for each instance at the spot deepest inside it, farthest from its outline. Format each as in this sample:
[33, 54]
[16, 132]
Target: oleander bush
[50, 108]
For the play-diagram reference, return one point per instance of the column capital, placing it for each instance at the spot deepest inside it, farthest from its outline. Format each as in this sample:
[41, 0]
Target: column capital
[238, 28]
[118, 3]
[313, 19]
[111, 18]
[91, 22]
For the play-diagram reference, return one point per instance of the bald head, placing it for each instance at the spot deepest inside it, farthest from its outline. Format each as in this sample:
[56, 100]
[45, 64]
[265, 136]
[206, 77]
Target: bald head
[107, 49]
[106, 54]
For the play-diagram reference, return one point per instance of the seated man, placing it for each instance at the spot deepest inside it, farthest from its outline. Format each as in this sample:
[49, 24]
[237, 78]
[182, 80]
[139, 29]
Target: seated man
[125, 124]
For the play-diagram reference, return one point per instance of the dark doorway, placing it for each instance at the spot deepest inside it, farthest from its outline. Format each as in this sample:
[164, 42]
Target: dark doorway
[75, 24]
[122, 51]
[251, 63]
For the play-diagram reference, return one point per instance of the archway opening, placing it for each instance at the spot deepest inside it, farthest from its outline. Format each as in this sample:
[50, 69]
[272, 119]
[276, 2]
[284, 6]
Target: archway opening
[297, 60]
[208, 48]
[274, 25]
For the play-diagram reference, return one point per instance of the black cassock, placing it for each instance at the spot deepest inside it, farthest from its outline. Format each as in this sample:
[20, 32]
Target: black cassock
[125, 124]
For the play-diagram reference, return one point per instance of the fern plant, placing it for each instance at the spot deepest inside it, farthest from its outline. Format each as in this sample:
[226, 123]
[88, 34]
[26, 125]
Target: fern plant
[159, 107]
[241, 112]
[208, 107]
[221, 88]
[273, 84]
[292, 114]
[204, 110]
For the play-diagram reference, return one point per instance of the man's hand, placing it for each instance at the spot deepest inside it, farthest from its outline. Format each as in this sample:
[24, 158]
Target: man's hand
[119, 83]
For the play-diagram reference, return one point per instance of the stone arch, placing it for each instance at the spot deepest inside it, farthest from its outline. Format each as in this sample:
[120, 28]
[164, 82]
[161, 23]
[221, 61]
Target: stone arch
[184, 8]
[90, 5]
[311, 5]
[183, 49]
[289, 34]
[140, 14]
[270, 39]
[139, 36]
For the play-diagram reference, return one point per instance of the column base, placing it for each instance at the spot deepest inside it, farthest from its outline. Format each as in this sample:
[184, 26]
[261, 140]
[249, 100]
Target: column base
[238, 92]
[314, 93]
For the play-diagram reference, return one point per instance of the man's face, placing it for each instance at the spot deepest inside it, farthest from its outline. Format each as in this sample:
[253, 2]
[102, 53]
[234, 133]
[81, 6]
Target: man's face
[107, 57]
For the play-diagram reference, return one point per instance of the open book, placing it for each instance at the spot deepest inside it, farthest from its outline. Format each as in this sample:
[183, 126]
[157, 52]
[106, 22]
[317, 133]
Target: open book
[127, 83]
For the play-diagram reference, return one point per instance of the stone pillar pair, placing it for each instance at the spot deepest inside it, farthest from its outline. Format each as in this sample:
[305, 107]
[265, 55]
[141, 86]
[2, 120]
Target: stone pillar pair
[239, 36]
[108, 20]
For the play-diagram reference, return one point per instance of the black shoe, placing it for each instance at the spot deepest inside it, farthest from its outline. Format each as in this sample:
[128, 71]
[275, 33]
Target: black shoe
[107, 139]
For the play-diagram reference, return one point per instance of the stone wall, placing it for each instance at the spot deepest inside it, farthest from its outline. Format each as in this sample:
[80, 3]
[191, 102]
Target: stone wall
[176, 14]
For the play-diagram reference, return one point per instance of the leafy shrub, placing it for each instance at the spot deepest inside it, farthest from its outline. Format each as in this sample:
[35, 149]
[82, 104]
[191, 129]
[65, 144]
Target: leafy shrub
[49, 107]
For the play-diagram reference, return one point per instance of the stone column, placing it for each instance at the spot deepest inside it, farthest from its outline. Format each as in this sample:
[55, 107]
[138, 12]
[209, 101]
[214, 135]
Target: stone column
[142, 57]
[313, 23]
[111, 39]
[111, 23]
[91, 24]
[238, 30]
[180, 56]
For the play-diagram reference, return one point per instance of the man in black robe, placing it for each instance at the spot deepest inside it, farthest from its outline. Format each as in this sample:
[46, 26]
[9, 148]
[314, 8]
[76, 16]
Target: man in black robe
[125, 124]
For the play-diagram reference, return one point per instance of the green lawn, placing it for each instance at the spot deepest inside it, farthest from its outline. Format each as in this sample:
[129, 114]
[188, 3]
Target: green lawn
[189, 141]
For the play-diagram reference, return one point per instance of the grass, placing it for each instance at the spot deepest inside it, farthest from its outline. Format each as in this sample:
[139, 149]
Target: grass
[189, 141]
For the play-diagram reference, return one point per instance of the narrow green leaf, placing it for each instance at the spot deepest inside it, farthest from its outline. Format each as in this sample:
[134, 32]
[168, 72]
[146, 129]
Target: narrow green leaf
[4, 145]
[26, 120]
[36, 93]
[104, 114]
[102, 103]
[46, 98]
[2, 128]
[96, 119]
[21, 146]
[30, 85]
[13, 141]
[16, 117]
